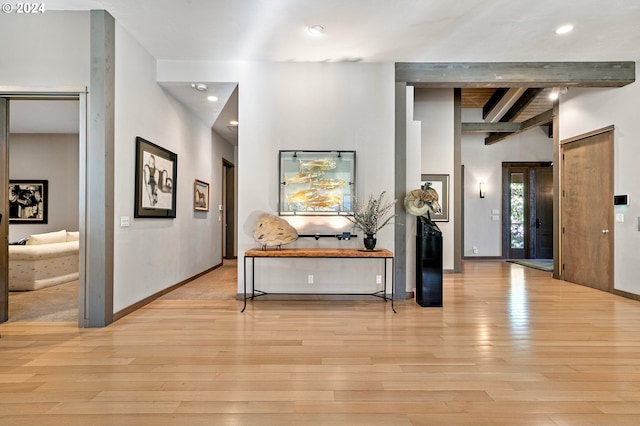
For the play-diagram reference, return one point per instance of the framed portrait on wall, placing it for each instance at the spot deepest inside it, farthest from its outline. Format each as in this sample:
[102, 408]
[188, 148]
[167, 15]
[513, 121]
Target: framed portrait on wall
[440, 183]
[155, 181]
[28, 201]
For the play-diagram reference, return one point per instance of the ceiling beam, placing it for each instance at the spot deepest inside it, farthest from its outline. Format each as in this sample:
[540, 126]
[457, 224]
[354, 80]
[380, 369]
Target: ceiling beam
[500, 127]
[528, 97]
[515, 74]
[493, 100]
[504, 104]
[539, 120]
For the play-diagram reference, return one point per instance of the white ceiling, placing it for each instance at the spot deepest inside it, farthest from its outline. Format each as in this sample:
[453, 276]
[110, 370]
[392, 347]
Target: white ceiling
[222, 110]
[370, 31]
[378, 30]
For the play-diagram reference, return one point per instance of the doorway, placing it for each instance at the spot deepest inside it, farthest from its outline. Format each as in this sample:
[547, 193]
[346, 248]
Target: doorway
[228, 210]
[16, 103]
[587, 209]
[527, 200]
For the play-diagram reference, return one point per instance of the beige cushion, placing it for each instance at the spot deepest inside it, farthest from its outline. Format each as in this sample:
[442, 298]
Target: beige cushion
[48, 238]
[73, 236]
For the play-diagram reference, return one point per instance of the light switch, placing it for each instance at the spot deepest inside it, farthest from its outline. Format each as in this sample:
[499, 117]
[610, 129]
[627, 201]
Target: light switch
[619, 217]
[495, 211]
[124, 221]
[495, 218]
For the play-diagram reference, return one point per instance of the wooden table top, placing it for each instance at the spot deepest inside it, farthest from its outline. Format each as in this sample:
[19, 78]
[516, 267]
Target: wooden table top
[317, 252]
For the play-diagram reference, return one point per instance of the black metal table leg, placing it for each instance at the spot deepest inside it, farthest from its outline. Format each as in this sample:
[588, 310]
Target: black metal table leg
[392, 282]
[245, 285]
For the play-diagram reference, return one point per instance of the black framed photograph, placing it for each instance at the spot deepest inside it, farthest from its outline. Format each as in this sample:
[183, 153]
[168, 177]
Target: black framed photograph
[155, 181]
[28, 201]
[200, 196]
[440, 183]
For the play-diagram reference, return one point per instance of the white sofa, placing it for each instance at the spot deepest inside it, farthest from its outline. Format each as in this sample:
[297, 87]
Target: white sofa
[45, 260]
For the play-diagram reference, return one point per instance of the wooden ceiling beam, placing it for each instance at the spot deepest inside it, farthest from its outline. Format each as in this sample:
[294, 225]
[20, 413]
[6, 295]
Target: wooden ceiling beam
[492, 101]
[515, 74]
[539, 120]
[527, 97]
[504, 105]
[500, 127]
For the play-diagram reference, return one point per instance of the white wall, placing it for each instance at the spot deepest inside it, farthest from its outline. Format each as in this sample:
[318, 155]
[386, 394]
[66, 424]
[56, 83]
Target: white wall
[483, 163]
[51, 157]
[44, 50]
[585, 110]
[153, 254]
[311, 106]
[413, 167]
[434, 109]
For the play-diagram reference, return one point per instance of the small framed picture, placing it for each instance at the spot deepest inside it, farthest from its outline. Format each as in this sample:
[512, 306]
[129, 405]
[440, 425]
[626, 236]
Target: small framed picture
[200, 196]
[441, 185]
[28, 201]
[155, 181]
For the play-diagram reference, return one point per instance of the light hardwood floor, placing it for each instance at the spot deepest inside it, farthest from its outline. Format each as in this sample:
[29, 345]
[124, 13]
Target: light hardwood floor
[510, 347]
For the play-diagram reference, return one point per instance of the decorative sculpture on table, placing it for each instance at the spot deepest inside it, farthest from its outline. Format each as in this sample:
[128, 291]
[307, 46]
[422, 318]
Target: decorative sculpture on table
[270, 231]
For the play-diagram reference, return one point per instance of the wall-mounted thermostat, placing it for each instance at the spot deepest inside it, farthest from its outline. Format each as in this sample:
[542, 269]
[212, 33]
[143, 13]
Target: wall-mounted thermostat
[620, 200]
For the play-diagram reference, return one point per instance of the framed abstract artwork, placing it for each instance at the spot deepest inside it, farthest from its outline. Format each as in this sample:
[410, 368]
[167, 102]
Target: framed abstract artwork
[155, 181]
[28, 201]
[316, 183]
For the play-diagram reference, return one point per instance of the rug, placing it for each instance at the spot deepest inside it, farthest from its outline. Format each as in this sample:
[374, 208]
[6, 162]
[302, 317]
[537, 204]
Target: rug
[58, 303]
[542, 264]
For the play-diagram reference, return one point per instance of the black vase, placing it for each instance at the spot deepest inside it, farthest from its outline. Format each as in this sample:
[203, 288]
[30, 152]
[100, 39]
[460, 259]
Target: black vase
[369, 241]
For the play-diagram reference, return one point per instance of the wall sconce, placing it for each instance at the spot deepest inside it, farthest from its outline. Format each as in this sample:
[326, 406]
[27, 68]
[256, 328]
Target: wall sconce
[482, 189]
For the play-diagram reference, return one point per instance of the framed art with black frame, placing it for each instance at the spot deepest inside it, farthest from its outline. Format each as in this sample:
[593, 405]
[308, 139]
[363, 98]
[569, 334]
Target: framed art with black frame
[28, 201]
[155, 181]
[441, 184]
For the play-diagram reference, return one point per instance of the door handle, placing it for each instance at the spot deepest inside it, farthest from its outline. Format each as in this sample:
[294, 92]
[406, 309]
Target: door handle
[538, 223]
[605, 231]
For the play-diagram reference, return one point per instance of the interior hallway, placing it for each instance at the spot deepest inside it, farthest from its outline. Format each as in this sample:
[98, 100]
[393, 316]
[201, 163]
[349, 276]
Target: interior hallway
[511, 346]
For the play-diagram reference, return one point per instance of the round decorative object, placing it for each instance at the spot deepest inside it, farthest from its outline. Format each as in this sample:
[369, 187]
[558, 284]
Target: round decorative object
[421, 201]
[369, 241]
[270, 230]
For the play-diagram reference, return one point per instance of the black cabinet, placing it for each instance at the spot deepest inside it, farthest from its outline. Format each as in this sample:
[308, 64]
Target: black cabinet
[428, 264]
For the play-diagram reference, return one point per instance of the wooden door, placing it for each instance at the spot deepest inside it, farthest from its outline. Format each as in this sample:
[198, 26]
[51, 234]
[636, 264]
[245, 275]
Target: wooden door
[518, 213]
[587, 210]
[542, 216]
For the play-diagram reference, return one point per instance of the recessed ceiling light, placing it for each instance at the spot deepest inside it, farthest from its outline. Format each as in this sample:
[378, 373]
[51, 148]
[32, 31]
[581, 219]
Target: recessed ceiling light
[201, 87]
[212, 98]
[564, 29]
[316, 30]
[233, 122]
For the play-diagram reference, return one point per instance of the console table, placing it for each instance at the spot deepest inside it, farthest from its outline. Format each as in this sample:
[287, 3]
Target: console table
[325, 253]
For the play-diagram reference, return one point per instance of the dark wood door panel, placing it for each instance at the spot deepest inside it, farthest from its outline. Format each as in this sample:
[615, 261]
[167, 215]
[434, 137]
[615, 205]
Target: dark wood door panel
[543, 216]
